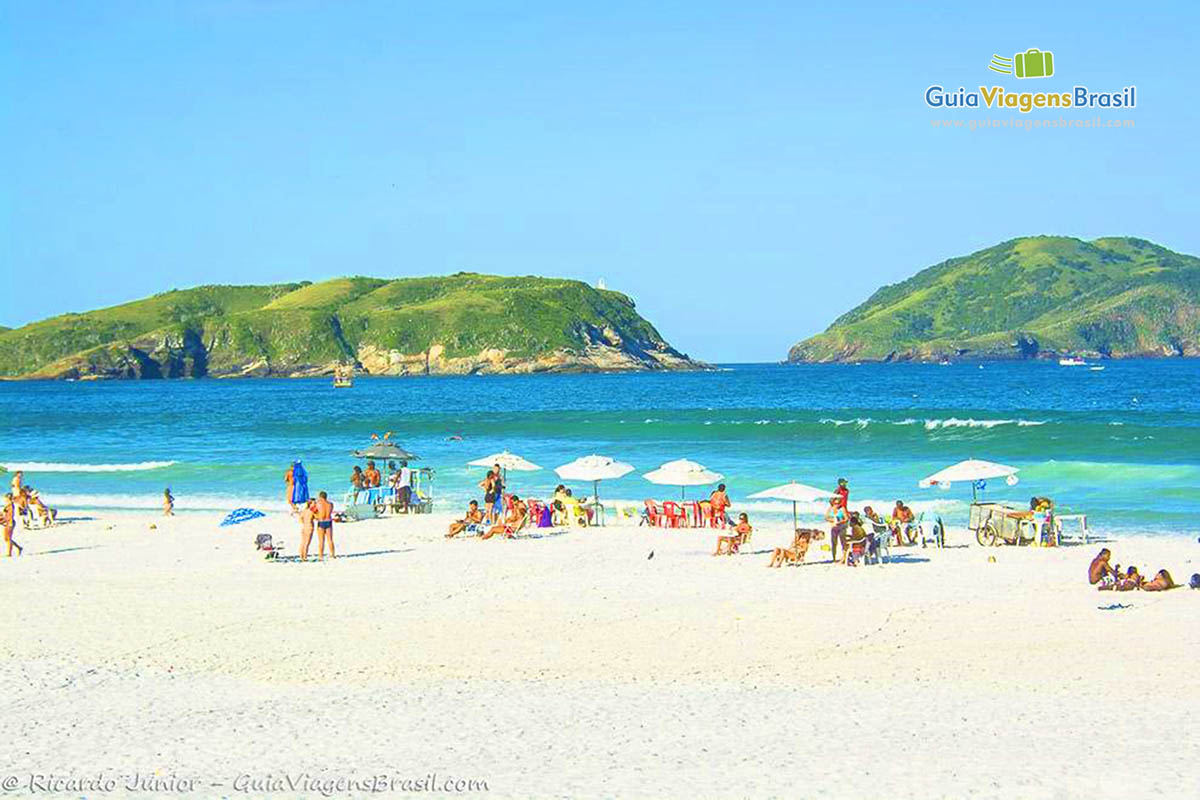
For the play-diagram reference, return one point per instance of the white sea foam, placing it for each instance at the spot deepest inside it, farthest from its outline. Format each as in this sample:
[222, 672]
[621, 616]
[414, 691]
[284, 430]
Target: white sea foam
[955, 422]
[153, 501]
[51, 466]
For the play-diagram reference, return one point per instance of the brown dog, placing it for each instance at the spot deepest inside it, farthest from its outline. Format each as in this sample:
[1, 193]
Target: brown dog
[799, 549]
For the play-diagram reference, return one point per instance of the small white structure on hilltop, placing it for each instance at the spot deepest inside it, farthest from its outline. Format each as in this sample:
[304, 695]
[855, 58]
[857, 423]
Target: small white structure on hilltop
[601, 285]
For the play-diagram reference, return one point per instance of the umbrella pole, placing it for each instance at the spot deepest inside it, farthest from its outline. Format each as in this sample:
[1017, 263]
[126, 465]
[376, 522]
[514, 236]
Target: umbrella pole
[795, 518]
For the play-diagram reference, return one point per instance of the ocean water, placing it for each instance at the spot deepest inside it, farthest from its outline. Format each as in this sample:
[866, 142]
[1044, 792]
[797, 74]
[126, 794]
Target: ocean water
[1121, 444]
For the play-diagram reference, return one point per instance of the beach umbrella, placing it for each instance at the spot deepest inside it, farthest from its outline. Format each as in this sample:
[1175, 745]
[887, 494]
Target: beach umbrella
[507, 461]
[595, 469]
[683, 473]
[796, 492]
[974, 470]
[386, 451]
[240, 515]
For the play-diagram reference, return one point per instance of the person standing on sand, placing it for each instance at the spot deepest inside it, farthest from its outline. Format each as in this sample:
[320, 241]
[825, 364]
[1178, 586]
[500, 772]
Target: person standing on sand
[324, 517]
[289, 478]
[837, 518]
[307, 517]
[168, 503]
[8, 520]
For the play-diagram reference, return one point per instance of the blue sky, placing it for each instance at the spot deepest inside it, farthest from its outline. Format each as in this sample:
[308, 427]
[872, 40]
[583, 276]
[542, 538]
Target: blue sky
[746, 172]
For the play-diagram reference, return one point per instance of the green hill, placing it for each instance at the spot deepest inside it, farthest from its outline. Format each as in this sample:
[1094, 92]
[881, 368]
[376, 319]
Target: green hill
[1038, 296]
[457, 324]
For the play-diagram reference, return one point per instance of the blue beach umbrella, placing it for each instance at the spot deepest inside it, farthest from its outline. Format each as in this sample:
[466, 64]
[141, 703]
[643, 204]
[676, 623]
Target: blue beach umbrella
[240, 515]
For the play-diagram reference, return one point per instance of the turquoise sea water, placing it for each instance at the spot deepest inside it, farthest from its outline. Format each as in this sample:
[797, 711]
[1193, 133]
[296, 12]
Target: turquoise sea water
[1122, 444]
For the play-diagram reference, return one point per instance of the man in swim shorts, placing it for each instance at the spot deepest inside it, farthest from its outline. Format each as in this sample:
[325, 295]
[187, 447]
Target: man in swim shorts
[323, 514]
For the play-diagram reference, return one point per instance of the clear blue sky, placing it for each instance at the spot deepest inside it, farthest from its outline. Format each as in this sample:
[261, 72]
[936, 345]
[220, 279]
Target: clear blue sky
[747, 171]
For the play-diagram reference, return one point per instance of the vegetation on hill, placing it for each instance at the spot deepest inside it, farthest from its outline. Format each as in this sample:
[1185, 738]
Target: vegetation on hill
[1031, 297]
[461, 323]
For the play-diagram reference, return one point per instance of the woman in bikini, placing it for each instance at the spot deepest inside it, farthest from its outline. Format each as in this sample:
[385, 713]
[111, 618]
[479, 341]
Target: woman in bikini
[8, 520]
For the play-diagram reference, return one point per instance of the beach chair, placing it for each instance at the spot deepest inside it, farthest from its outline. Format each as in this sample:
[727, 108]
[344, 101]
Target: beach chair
[914, 530]
[937, 533]
[675, 515]
[653, 516]
[264, 543]
[880, 551]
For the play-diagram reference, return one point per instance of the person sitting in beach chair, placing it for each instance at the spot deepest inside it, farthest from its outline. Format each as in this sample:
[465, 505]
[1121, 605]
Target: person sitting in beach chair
[1161, 583]
[728, 544]
[858, 542]
[518, 515]
[1100, 573]
[473, 521]
[799, 550]
[46, 515]
[902, 519]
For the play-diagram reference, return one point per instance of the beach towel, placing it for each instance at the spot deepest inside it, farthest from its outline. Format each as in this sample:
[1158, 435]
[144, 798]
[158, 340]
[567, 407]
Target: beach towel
[299, 484]
[240, 515]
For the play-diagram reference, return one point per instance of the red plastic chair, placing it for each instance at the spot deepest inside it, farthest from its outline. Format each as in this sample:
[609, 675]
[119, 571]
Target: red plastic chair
[675, 515]
[653, 515]
[695, 518]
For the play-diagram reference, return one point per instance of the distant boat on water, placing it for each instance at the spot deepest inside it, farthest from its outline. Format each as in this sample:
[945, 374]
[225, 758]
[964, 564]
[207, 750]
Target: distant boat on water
[1072, 361]
[343, 378]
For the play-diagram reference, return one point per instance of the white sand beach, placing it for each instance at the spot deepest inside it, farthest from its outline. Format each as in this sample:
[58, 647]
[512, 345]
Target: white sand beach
[575, 665]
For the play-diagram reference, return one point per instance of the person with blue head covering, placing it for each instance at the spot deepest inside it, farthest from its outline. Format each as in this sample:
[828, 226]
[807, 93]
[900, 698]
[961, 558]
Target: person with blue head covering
[299, 485]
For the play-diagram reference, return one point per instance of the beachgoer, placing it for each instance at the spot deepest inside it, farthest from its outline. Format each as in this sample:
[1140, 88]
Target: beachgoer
[902, 517]
[1161, 583]
[356, 478]
[498, 503]
[729, 544]
[1129, 581]
[872, 515]
[307, 517]
[837, 518]
[488, 484]
[290, 479]
[324, 518]
[857, 533]
[403, 487]
[843, 491]
[8, 521]
[46, 515]
[371, 476]
[168, 503]
[474, 517]
[1101, 572]
[718, 503]
[517, 513]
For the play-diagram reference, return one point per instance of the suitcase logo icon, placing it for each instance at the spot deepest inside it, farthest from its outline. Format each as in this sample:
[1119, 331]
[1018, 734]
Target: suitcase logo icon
[1033, 63]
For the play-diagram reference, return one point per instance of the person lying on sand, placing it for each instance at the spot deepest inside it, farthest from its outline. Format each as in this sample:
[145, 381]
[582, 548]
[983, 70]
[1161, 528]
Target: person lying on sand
[323, 510]
[8, 520]
[474, 517]
[1161, 583]
[1100, 572]
[517, 513]
[799, 549]
[728, 545]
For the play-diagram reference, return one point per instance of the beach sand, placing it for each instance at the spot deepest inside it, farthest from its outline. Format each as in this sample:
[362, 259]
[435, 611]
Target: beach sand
[574, 665]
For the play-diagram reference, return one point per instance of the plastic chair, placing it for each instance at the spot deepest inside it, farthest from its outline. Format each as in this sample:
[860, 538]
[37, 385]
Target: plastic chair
[674, 514]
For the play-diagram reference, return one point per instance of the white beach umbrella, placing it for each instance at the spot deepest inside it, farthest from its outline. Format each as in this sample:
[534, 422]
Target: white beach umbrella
[972, 470]
[507, 461]
[796, 492]
[683, 473]
[595, 469]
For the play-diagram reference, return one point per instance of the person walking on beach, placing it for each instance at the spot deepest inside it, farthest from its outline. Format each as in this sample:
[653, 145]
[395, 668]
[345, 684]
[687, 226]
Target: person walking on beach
[324, 519]
[168, 503]
[493, 495]
[718, 503]
[8, 520]
[308, 516]
[403, 487]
